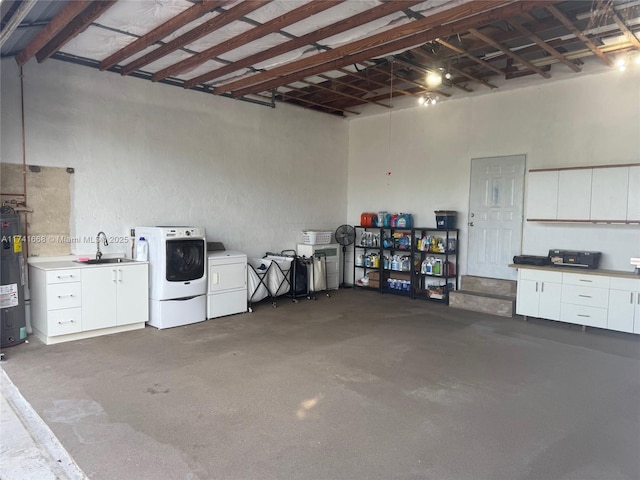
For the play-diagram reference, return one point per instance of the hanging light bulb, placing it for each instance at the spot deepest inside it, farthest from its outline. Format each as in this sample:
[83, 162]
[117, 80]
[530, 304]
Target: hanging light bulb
[621, 64]
[434, 79]
[448, 76]
[637, 59]
[421, 100]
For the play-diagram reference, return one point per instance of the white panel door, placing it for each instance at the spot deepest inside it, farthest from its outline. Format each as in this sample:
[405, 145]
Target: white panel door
[495, 215]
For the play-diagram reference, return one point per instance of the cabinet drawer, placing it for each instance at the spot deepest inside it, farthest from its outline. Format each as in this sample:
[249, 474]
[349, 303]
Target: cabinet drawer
[64, 295]
[540, 275]
[62, 322]
[63, 276]
[587, 280]
[588, 296]
[581, 315]
[630, 284]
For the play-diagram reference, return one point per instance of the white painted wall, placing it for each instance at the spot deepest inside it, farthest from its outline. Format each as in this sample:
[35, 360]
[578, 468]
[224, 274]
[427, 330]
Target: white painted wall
[152, 154]
[588, 120]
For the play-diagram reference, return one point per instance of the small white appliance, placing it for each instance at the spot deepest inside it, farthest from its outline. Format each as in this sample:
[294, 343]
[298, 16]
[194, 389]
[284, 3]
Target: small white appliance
[177, 275]
[227, 278]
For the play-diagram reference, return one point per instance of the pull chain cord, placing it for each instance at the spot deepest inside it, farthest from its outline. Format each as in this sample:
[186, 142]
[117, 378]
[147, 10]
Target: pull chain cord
[388, 174]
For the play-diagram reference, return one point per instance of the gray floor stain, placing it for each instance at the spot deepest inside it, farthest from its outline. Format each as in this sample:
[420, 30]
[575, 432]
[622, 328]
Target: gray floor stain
[72, 411]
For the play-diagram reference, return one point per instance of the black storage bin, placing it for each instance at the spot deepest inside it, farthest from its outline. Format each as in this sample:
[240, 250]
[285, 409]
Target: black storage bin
[445, 219]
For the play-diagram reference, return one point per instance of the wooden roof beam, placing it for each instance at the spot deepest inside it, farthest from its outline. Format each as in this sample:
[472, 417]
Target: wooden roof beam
[508, 52]
[304, 11]
[310, 102]
[426, 56]
[366, 44]
[375, 13]
[579, 35]
[462, 51]
[76, 26]
[624, 29]
[544, 45]
[161, 31]
[219, 21]
[425, 35]
[423, 71]
[70, 11]
[343, 94]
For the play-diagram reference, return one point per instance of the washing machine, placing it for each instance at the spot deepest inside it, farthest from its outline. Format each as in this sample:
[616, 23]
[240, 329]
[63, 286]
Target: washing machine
[177, 275]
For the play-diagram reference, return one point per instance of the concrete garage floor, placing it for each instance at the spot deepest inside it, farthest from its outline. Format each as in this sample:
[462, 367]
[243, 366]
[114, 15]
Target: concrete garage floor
[356, 386]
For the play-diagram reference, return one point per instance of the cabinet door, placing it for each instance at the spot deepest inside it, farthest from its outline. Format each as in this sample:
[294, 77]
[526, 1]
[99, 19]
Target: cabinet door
[633, 198]
[542, 195]
[574, 194]
[132, 294]
[98, 297]
[225, 276]
[528, 298]
[622, 305]
[609, 189]
[550, 295]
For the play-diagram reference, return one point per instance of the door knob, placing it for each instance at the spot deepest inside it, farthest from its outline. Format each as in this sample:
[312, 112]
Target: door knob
[471, 224]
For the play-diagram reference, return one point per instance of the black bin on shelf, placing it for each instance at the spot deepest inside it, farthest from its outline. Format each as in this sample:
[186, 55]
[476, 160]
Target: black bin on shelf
[445, 219]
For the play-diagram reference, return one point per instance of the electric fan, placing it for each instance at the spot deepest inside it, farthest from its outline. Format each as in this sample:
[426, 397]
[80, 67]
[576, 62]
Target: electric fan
[345, 236]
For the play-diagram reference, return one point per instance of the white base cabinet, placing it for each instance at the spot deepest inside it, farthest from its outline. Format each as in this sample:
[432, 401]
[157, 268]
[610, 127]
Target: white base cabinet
[539, 294]
[87, 301]
[624, 305]
[596, 298]
[227, 277]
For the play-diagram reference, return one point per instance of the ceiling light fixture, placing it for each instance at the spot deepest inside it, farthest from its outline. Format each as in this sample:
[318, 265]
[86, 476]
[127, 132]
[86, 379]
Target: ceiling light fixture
[627, 59]
[428, 99]
[434, 79]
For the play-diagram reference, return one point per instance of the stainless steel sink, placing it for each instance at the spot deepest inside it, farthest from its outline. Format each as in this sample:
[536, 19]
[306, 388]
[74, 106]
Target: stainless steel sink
[94, 261]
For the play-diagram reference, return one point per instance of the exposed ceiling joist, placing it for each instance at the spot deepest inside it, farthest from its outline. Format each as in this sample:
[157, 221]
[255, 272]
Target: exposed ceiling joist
[161, 31]
[55, 26]
[542, 44]
[381, 40]
[224, 18]
[271, 26]
[370, 15]
[508, 52]
[333, 56]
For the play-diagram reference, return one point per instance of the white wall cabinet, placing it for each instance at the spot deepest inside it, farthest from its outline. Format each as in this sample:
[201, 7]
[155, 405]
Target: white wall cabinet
[624, 305]
[609, 192]
[574, 194]
[587, 298]
[597, 194]
[542, 195]
[538, 294]
[87, 301]
[633, 197]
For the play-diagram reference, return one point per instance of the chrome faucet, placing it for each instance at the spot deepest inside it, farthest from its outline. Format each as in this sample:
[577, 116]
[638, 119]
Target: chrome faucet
[98, 252]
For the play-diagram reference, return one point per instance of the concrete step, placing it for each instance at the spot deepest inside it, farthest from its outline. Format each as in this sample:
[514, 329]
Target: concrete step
[492, 286]
[501, 305]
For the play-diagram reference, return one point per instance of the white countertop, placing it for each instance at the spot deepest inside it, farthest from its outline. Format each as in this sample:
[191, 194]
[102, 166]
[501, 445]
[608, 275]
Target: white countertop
[584, 271]
[67, 262]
